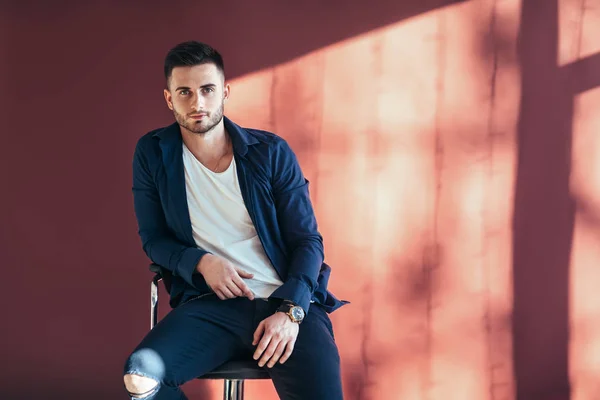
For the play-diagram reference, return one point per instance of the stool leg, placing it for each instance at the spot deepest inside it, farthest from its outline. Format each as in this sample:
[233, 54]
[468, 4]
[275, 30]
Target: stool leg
[154, 301]
[234, 389]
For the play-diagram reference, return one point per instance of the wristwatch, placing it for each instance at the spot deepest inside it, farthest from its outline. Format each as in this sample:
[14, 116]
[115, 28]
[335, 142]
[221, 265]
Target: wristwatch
[295, 312]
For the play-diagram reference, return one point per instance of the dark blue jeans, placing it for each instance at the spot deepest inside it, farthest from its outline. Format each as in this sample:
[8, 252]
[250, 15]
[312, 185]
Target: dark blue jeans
[203, 333]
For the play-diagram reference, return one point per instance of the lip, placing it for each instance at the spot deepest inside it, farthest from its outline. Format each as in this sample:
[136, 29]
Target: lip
[198, 116]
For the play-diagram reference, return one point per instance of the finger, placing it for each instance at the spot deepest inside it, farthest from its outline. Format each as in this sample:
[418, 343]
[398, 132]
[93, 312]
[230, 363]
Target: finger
[262, 346]
[288, 352]
[243, 287]
[234, 289]
[227, 293]
[258, 333]
[269, 351]
[277, 354]
[219, 294]
[244, 274]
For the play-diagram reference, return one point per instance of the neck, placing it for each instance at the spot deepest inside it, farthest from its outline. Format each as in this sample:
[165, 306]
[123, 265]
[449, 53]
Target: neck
[213, 143]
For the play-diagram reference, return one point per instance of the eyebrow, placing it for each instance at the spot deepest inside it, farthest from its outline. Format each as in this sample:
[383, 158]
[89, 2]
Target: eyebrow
[201, 87]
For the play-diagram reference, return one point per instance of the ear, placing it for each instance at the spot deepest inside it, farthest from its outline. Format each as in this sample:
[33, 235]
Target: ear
[226, 92]
[168, 99]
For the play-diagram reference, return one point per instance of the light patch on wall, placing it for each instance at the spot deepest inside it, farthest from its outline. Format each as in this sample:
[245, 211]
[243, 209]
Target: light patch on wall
[579, 27]
[584, 345]
[249, 100]
[414, 169]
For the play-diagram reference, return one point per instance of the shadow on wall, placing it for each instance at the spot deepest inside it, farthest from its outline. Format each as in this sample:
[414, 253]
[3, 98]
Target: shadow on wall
[543, 213]
[250, 36]
[544, 208]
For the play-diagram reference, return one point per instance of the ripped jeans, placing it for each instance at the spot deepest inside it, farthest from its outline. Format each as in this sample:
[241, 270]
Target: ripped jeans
[203, 333]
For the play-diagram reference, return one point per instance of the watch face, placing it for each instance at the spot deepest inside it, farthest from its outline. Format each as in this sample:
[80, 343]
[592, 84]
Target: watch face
[297, 313]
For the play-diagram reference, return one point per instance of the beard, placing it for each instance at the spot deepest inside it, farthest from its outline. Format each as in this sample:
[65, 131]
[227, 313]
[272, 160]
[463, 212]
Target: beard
[207, 123]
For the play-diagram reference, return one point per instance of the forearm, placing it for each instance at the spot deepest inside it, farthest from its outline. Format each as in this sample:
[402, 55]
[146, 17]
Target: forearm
[304, 267]
[158, 241]
[298, 227]
[171, 254]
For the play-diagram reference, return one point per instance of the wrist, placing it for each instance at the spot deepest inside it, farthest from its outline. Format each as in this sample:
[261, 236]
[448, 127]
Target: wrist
[294, 312]
[203, 260]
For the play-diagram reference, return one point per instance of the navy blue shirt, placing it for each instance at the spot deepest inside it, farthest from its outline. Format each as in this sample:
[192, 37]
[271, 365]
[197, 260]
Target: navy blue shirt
[275, 193]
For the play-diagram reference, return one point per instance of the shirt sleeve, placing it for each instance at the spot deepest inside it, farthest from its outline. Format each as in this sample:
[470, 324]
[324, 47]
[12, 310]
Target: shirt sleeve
[298, 227]
[159, 244]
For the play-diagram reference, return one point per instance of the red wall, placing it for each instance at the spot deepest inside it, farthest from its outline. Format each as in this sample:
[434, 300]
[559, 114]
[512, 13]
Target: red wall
[451, 148]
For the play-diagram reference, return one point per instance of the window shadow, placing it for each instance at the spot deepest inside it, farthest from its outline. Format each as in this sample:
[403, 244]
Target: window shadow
[544, 209]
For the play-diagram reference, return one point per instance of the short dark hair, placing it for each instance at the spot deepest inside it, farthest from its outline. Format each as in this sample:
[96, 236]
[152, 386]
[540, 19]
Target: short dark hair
[192, 53]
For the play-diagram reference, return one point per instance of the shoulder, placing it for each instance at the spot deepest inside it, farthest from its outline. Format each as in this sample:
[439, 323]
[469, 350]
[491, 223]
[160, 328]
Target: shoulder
[275, 144]
[149, 139]
[149, 144]
[266, 137]
[147, 153]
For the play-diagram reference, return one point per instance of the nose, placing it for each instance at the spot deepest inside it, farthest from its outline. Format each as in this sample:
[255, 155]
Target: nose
[197, 101]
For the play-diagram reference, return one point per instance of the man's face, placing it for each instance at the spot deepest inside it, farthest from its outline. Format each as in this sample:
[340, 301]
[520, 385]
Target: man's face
[197, 95]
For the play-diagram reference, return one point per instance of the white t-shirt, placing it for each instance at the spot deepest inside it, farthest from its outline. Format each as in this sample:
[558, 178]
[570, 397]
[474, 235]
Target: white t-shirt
[221, 224]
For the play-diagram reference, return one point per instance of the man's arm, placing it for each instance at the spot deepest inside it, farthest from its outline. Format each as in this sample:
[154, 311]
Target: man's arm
[298, 228]
[158, 243]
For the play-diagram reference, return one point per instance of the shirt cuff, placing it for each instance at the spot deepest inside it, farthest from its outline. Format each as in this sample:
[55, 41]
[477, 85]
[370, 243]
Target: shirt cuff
[295, 291]
[186, 267]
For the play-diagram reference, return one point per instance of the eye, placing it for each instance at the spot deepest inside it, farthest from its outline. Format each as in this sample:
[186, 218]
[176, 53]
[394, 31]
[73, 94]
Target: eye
[208, 90]
[184, 92]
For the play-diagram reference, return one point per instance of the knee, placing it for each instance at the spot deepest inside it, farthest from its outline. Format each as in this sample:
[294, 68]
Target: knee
[139, 386]
[144, 370]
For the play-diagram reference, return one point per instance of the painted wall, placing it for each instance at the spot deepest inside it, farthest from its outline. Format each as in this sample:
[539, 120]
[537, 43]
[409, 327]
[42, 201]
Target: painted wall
[452, 149]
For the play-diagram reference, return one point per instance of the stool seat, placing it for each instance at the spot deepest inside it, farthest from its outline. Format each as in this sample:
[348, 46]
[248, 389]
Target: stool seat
[237, 370]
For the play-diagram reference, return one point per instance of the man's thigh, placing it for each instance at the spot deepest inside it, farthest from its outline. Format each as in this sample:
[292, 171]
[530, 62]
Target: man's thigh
[192, 340]
[313, 369]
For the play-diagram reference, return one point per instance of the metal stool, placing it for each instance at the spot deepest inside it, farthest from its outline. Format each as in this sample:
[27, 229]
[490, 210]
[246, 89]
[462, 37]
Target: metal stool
[234, 373]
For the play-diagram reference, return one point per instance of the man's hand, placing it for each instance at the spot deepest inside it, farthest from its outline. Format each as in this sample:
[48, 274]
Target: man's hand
[275, 336]
[224, 278]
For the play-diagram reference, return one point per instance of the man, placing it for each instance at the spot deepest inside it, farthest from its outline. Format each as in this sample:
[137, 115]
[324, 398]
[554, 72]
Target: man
[226, 212]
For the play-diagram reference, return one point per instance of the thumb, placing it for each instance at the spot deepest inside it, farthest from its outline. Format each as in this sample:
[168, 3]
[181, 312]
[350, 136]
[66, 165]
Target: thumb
[244, 274]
